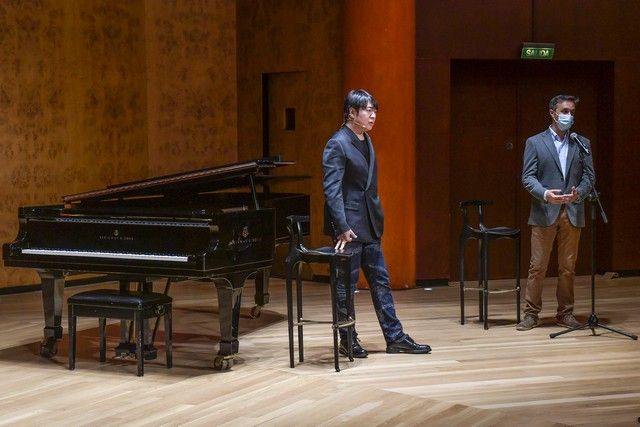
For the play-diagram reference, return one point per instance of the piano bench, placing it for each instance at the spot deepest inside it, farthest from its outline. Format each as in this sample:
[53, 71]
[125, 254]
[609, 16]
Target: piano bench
[125, 305]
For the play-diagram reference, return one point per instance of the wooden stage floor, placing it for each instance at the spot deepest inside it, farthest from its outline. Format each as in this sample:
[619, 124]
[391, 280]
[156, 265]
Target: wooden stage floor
[473, 377]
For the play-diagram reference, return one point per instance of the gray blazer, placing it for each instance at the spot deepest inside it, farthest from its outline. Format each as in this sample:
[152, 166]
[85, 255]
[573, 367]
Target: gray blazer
[351, 188]
[541, 171]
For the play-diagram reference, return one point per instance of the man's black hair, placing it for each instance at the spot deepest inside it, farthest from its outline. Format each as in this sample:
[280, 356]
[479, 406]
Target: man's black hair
[561, 98]
[358, 99]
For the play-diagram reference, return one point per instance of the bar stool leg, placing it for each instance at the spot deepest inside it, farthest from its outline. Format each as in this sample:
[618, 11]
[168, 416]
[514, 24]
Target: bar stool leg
[485, 286]
[139, 341]
[102, 326]
[480, 280]
[299, 312]
[345, 265]
[461, 269]
[72, 337]
[168, 336]
[334, 311]
[289, 265]
[518, 278]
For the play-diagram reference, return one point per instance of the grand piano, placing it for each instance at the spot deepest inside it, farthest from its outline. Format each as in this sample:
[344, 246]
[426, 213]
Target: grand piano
[210, 225]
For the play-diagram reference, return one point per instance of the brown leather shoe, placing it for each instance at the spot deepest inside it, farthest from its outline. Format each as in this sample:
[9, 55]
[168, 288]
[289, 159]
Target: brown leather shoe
[530, 321]
[568, 320]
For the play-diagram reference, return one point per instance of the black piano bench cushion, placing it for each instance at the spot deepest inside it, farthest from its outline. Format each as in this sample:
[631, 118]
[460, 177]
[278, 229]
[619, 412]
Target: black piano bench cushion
[116, 298]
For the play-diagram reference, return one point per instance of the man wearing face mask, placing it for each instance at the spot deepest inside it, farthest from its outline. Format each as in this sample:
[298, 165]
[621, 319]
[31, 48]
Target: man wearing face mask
[558, 177]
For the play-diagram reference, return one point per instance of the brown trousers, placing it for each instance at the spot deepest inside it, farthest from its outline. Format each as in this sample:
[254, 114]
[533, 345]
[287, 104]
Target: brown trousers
[542, 239]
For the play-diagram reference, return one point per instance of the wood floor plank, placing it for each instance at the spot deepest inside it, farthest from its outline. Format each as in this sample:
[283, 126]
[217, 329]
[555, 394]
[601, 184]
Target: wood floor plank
[497, 377]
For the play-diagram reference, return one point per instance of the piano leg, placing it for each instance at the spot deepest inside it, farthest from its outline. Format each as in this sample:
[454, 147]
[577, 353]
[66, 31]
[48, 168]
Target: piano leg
[229, 298]
[148, 350]
[127, 346]
[52, 300]
[262, 291]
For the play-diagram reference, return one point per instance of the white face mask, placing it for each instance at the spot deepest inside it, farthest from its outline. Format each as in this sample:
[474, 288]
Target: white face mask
[564, 122]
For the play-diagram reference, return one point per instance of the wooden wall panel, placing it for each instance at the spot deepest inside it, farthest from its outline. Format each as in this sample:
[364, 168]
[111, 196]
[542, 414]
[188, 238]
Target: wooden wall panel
[603, 30]
[597, 30]
[279, 37]
[379, 46]
[107, 93]
[447, 30]
[593, 30]
[191, 84]
[471, 29]
[72, 104]
[97, 92]
[433, 218]
[624, 227]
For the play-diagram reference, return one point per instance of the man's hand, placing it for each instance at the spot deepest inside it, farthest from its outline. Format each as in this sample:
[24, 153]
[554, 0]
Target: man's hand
[343, 239]
[556, 197]
[573, 196]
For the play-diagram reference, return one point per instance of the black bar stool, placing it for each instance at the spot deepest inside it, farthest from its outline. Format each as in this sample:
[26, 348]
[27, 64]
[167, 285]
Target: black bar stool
[339, 266]
[484, 235]
[116, 304]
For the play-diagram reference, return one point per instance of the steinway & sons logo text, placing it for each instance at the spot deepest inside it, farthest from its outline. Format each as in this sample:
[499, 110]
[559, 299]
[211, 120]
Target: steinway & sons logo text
[243, 240]
[115, 236]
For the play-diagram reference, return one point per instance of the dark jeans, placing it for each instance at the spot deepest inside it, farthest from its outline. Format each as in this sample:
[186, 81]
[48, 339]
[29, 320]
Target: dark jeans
[368, 256]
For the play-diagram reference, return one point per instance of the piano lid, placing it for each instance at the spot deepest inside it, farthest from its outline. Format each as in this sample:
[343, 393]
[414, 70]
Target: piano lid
[210, 179]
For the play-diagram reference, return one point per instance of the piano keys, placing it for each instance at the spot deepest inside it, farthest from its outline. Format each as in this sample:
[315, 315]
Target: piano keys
[197, 225]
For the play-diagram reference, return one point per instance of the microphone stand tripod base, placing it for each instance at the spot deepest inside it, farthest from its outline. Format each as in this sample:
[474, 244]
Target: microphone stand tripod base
[592, 324]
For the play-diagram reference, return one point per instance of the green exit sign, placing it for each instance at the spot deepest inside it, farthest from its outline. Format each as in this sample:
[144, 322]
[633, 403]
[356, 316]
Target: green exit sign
[537, 50]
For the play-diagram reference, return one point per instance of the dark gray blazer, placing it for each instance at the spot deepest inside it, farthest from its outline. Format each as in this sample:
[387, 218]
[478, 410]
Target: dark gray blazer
[541, 171]
[351, 188]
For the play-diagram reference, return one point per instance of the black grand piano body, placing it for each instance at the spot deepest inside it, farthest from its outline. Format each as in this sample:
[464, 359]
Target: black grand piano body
[197, 225]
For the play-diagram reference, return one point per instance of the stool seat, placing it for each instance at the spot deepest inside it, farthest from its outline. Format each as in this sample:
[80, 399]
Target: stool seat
[322, 254]
[114, 297]
[120, 304]
[497, 231]
[339, 267]
[484, 235]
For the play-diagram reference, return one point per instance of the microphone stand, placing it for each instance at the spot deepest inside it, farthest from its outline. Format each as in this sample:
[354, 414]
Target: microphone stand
[593, 321]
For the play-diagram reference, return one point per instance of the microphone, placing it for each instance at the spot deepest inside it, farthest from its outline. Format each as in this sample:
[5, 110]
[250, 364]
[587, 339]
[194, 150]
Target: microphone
[362, 125]
[580, 144]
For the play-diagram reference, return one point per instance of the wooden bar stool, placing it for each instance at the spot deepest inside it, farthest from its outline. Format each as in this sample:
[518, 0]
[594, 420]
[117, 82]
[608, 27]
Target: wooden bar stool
[339, 266]
[118, 304]
[484, 235]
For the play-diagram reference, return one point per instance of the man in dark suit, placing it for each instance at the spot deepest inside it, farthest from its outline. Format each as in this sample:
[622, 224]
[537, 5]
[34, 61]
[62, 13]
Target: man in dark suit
[559, 177]
[354, 218]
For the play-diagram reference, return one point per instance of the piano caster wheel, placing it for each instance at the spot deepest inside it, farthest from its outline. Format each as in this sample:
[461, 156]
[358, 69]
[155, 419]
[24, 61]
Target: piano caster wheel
[222, 363]
[49, 347]
[126, 350]
[256, 310]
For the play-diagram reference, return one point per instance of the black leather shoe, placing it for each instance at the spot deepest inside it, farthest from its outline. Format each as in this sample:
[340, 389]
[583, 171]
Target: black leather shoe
[358, 351]
[407, 345]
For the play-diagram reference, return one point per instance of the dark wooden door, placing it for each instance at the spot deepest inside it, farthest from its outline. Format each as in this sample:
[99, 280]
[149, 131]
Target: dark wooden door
[495, 106]
[288, 126]
[484, 158]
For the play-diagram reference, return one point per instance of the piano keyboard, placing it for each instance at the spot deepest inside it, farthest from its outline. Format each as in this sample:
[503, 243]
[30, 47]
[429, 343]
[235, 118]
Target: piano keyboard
[114, 255]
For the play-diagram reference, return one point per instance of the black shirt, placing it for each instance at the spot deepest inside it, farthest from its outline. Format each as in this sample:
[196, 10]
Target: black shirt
[363, 147]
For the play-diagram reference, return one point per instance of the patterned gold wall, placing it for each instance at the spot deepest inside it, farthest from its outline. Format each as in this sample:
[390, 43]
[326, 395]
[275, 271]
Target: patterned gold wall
[285, 38]
[191, 57]
[96, 92]
[73, 103]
